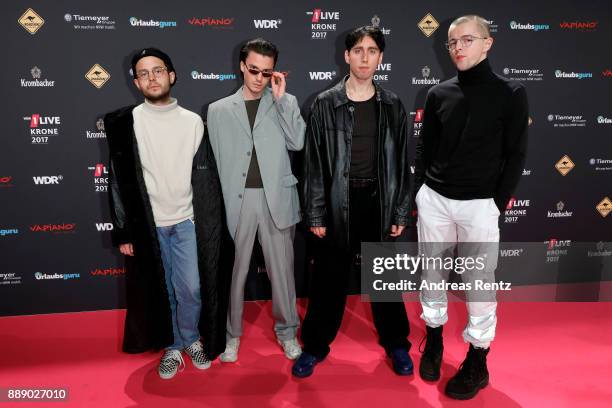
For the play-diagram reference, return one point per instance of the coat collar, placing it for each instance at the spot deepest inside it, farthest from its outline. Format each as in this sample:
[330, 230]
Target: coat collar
[340, 97]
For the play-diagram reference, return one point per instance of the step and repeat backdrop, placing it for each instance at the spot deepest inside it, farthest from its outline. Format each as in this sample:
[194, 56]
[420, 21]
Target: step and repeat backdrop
[66, 63]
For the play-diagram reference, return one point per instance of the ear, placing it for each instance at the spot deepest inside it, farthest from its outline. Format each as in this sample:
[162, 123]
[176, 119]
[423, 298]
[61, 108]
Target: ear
[346, 57]
[380, 58]
[488, 43]
[242, 67]
[172, 76]
[137, 84]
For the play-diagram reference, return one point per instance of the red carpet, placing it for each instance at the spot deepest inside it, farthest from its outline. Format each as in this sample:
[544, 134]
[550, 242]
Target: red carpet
[545, 355]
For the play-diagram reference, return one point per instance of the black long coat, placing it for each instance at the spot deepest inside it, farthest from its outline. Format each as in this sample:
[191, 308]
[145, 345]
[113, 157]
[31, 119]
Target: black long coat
[148, 323]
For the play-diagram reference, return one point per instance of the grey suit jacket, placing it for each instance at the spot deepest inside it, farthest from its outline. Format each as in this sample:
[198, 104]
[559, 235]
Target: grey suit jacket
[278, 127]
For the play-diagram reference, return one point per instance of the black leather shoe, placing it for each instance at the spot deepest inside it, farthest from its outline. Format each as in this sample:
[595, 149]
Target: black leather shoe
[471, 377]
[304, 365]
[431, 360]
[402, 363]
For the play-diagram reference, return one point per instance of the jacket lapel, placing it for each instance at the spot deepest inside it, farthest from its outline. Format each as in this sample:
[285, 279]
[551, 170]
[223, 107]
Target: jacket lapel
[239, 110]
[264, 106]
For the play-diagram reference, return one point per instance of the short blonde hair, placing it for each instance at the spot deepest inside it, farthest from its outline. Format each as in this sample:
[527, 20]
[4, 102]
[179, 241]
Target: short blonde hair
[483, 25]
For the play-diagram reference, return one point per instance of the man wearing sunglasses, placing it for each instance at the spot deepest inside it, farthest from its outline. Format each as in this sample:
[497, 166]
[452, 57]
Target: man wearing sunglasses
[252, 132]
[167, 208]
[356, 189]
[469, 160]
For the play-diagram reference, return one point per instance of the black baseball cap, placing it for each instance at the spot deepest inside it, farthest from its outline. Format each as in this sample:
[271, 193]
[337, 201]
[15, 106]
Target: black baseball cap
[152, 52]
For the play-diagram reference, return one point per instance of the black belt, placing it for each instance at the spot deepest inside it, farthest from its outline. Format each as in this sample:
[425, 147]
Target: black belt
[362, 182]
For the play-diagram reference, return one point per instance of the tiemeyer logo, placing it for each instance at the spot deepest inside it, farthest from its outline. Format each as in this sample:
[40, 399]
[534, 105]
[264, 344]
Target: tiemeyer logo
[9, 279]
[322, 75]
[104, 226]
[565, 165]
[322, 22]
[376, 23]
[10, 231]
[97, 76]
[212, 76]
[384, 67]
[31, 21]
[601, 164]
[604, 207]
[565, 121]
[56, 276]
[36, 82]
[55, 228]
[5, 181]
[90, 22]
[561, 212]
[100, 176]
[111, 272]
[572, 75]
[46, 180]
[523, 74]
[515, 209]
[267, 24]
[428, 25]
[417, 122]
[526, 172]
[426, 78]
[603, 120]
[556, 248]
[528, 26]
[100, 134]
[212, 22]
[42, 126]
[579, 25]
[137, 22]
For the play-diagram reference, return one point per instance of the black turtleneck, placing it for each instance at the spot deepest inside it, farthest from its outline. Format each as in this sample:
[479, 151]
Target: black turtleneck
[474, 136]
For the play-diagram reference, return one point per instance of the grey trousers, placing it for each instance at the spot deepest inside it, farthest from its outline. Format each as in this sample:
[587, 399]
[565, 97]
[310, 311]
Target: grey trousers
[277, 248]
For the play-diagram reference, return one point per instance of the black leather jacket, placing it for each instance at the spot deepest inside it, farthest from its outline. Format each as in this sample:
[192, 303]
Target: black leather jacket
[327, 155]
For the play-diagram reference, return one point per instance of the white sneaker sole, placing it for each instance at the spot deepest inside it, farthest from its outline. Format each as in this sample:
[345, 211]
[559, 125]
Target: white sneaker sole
[204, 366]
[164, 376]
[228, 358]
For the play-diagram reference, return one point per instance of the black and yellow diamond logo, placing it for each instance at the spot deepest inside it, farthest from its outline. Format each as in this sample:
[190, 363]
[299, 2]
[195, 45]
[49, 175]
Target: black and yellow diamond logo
[604, 207]
[31, 21]
[98, 76]
[565, 165]
[428, 25]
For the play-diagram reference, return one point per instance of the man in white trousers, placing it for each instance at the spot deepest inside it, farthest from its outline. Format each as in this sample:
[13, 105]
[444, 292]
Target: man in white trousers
[468, 163]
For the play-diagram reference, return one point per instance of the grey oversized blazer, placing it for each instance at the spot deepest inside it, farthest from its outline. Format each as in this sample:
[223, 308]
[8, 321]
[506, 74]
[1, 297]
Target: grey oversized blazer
[278, 128]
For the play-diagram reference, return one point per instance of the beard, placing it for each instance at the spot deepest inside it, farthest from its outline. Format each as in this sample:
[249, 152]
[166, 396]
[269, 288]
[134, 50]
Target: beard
[154, 97]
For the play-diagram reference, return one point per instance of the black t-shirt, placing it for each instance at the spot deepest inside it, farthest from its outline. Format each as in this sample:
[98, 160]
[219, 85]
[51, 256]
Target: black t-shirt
[364, 144]
[253, 178]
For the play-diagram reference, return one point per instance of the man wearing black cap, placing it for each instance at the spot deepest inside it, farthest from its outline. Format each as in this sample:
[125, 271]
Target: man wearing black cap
[168, 216]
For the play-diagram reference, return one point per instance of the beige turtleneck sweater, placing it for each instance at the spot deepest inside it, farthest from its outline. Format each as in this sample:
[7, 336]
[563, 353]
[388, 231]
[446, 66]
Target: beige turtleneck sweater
[168, 137]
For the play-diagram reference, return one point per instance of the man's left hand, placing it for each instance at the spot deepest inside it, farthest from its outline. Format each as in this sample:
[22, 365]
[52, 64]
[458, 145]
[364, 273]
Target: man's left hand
[396, 230]
[278, 85]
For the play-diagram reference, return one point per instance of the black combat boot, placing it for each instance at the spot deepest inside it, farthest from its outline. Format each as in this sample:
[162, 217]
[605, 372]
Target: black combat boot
[431, 360]
[471, 377]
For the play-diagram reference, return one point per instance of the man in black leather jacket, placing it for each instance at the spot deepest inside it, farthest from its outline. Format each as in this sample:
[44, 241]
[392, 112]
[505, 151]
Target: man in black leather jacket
[355, 189]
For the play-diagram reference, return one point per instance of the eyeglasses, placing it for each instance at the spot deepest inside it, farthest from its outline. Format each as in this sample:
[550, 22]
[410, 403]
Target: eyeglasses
[466, 42]
[267, 73]
[158, 72]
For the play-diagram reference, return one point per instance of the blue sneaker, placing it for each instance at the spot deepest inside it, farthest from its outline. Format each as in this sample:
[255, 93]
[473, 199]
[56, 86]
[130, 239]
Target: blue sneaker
[304, 365]
[402, 363]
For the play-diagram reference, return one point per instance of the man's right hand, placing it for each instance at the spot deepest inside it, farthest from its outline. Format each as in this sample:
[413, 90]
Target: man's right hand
[318, 231]
[126, 249]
